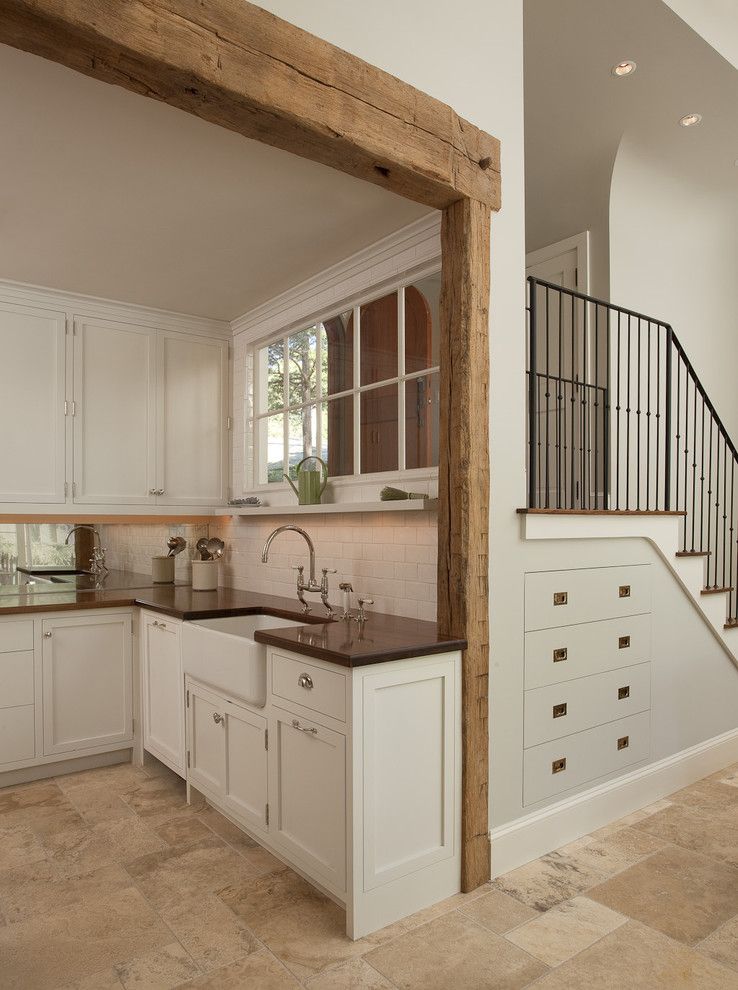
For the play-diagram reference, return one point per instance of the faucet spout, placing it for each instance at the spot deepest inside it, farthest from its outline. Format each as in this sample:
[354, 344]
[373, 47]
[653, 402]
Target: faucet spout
[312, 584]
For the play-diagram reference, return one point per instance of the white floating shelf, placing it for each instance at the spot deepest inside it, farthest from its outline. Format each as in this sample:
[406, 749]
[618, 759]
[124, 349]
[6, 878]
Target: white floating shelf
[404, 505]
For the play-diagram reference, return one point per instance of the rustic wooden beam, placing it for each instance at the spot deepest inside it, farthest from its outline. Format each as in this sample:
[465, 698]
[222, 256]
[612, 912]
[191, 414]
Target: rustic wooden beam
[463, 516]
[234, 64]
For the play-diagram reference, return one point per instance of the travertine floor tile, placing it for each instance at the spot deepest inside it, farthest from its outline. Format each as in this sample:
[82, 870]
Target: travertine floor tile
[709, 795]
[38, 888]
[722, 945]
[356, 974]
[641, 813]
[713, 834]
[258, 898]
[97, 803]
[158, 800]
[73, 942]
[677, 892]
[105, 980]
[129, 840]
[637, 957]
[563, 931]
[212, 934]
[117, 779]
[162, 969]
[183, 831]
[19, 846]
[498, 911]
[454, 951]
[226, 830]
[76, 850]
[259, 971]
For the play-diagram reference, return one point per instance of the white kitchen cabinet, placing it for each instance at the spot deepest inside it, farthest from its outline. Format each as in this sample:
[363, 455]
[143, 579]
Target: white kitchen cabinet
[114, 413]
[205, 740]
[191, 419]
[307, 795]
[87, 682]
[32, 385]
[245, 778]
[163, 690]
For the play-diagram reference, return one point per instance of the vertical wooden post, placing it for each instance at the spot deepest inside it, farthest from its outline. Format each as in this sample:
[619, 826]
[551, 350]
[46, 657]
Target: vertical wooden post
[463, 521]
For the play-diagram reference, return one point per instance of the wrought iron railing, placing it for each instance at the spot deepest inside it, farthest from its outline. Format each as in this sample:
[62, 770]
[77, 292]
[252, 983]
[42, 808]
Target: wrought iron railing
[618, 419]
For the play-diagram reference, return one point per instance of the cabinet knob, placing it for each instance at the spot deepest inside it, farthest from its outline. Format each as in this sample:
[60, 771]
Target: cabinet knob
[47, 635]
[305, 681]
[217, 718]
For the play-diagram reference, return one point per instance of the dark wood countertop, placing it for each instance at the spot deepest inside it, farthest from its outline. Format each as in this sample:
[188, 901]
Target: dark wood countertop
[381, 638]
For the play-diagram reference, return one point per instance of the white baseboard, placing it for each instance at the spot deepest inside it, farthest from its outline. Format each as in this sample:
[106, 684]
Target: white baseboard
[534, 835]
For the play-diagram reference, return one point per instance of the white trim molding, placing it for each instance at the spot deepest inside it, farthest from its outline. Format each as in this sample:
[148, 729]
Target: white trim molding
[578, 243]
[539, 833]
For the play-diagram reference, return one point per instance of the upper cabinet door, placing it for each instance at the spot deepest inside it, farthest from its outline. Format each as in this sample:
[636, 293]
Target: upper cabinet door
[192, 451]
[32, 444]
[115, 412]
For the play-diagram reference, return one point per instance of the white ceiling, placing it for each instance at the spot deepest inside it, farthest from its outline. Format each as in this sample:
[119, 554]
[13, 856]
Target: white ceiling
[111, 194]
[576, 112]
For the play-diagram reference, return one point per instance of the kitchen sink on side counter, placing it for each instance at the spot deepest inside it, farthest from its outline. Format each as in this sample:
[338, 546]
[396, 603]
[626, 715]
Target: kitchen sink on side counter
[334, 744]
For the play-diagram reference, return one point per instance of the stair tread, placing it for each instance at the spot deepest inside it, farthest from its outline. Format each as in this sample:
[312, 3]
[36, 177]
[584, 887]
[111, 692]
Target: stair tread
[715, 591]
[693, 553]
[731, 624]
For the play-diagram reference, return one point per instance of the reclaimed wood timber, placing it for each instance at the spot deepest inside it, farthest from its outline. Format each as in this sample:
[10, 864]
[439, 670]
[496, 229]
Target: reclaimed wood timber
[236, 65]
[463, 517]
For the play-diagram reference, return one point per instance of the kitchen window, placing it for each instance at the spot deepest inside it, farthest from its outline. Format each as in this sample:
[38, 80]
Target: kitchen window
[359, 388]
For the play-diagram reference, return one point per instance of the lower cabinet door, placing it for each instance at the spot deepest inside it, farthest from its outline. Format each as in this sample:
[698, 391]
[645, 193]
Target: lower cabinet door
[245, 776]
[87, 682]
[206, 739]
[307, 796]
[163, 691]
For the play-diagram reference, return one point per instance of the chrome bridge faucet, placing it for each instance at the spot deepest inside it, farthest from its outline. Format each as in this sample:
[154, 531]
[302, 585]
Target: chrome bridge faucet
[312, 585]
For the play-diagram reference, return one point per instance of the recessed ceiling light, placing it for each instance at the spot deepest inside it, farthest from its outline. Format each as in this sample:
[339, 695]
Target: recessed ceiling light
[625, 68]
[690, 119]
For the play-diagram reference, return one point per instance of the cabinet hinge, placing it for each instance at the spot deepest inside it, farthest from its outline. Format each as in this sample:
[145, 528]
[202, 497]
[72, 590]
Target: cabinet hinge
[266, 738]
[66, 407]
[229, 423]
[188, 697]
[267, 814]
[74, 488]
[66, 489]
[188, 757]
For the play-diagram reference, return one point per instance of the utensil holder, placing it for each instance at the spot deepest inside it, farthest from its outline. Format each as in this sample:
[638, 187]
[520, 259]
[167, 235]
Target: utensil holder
[162, 570]
[205, 575]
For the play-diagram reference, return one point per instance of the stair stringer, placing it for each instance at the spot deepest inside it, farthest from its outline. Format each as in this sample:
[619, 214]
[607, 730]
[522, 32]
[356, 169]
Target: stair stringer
[662, 532]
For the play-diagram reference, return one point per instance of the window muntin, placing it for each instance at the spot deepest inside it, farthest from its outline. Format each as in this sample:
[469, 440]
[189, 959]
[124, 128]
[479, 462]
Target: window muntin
[323, 405]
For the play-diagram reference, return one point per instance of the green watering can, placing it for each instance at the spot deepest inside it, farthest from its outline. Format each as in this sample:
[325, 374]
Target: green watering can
[310, 484]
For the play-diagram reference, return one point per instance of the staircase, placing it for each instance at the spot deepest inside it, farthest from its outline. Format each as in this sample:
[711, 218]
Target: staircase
[620, 426]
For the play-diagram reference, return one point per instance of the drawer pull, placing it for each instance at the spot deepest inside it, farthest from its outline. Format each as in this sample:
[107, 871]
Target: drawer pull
[559, 710]
[558, 765]
[624, 692]
[296, 725]
[623, 742]
[561, 597]
[560, 654]
[624, 591]
[305, 681]
[623, 642]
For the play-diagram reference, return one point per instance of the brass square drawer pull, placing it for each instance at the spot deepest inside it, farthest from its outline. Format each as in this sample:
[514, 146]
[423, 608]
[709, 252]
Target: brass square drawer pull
[624, 591]
[559, 710]
[623, 642]
[561, 597]
[624, 692]
[560, 654]
[558, 765]
[623, 742]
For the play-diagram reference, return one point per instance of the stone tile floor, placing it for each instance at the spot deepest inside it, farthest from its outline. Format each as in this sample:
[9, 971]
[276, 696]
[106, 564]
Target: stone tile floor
[108, 880]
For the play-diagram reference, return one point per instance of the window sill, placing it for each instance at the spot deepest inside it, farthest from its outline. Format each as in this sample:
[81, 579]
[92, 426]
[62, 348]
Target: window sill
[404, 505]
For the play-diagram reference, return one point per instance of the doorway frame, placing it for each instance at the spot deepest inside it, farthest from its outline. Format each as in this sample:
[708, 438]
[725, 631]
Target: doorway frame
[240, 67]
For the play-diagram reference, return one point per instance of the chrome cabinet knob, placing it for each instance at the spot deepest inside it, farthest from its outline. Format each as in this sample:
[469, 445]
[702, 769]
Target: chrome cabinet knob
[305, 681]
[47, 635]
[217, 718]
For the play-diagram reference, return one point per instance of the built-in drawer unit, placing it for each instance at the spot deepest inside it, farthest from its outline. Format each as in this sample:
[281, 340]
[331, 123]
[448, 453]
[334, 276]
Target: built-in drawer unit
[559, 710]
[16, 636]
[17, 734]
[561, 598]
[309, 685]
[16, 679]
[553, 768]
[563, 653]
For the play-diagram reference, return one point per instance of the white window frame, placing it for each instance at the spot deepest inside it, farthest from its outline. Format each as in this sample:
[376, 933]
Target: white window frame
[253, 384]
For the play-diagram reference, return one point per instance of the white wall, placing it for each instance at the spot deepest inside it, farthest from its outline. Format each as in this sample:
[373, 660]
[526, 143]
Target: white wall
[674, 256]
[715, 20]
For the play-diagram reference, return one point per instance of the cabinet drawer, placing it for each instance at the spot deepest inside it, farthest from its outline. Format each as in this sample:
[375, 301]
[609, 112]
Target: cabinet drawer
[315, 688]
[560, 709]
[560, 598]
[555, 767]
[566, 652]
[17, 734]
[16, 636]
[16, 679]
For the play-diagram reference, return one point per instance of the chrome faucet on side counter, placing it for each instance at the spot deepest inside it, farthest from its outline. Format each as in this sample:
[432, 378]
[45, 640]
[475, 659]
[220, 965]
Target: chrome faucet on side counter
[312, 585]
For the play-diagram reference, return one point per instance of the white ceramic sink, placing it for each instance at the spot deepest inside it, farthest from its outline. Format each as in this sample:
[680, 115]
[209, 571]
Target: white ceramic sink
[223, 654]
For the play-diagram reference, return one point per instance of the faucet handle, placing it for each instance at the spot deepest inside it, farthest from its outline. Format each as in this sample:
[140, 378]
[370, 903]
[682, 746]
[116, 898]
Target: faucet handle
[298, 567]
[329, 570]
[361, 614]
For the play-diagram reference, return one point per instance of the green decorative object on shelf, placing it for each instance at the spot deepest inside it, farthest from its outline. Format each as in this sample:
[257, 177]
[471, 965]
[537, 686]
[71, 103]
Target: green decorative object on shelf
[310, 484]
[397, 495]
